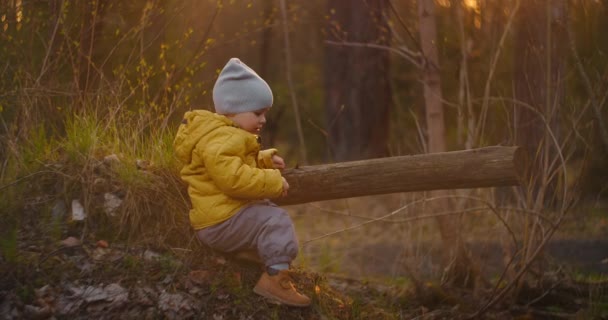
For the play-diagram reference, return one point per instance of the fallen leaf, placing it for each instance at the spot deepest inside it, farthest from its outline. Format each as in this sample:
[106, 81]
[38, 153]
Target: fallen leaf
[102, 244]
[200, 277]
[145, 296]
[34, 312]
[238, 277]
[71, 242]
[150, 255]
[177, 306]
[117, 294]
[44, 291]
[92, 294]
[99, 253]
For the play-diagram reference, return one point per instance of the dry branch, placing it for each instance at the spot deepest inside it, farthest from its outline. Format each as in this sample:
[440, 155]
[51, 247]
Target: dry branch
[484, 167]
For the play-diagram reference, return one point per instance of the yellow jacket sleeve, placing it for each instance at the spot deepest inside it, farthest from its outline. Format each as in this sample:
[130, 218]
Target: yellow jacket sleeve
[232, 175]
[265, 158]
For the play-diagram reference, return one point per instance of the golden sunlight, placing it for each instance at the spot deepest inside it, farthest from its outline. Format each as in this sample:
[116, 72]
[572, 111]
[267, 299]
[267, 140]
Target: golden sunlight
[471, 3]
[19, 9]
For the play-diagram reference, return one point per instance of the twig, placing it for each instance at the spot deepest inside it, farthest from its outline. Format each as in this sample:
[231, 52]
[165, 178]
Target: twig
[544, 294]
[425, 147]
[400, 52]
[51, 42]
[597, 106]
[486, 92]
[407, 30]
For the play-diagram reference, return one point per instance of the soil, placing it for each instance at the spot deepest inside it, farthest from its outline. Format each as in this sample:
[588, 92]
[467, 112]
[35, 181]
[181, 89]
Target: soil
[99, 279]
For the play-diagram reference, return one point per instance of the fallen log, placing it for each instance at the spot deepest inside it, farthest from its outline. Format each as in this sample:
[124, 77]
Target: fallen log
[476, 168]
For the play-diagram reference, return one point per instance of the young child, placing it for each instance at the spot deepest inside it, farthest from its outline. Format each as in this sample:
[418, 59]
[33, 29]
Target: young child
[230, 179]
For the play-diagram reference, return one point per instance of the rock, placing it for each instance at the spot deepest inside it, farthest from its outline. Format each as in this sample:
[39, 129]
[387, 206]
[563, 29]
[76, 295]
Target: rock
[150, 255]
[111, 204]
[78, 213]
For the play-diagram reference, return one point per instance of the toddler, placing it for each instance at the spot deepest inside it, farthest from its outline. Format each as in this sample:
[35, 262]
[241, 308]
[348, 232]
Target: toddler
[230, 180]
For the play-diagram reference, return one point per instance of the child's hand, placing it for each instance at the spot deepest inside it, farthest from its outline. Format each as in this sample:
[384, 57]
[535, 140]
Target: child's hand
[285, 187]
[278, 162]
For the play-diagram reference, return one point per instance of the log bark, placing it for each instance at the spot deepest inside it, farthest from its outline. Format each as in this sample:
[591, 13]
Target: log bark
[476, 168]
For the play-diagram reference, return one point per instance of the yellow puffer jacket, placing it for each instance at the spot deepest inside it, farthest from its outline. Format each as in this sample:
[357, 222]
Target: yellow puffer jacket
[223, 166]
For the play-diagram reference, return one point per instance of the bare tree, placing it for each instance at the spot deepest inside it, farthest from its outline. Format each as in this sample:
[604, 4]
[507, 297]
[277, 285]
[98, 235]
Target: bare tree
[457, 264]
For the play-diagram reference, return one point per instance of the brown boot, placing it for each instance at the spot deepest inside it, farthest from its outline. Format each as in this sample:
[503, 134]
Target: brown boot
[280, 289]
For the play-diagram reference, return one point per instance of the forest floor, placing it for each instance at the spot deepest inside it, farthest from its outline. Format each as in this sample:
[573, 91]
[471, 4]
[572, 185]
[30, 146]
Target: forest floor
[94, 279]
[58, 270]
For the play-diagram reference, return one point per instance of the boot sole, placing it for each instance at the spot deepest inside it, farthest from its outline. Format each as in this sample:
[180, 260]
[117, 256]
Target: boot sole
[277, 300]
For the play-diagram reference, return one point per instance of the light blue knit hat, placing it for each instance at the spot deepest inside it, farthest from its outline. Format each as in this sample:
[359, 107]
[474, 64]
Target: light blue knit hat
[239, 89]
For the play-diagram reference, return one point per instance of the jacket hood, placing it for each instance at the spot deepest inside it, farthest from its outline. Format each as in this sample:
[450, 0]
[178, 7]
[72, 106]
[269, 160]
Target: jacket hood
[195, 125]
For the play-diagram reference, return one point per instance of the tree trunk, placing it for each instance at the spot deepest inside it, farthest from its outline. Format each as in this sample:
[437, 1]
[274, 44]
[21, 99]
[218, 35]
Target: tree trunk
[455, 259]
[358, 93]
[485, 167]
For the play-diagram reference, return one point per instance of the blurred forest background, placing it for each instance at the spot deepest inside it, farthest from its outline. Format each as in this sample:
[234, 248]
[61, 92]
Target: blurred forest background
[84, 80]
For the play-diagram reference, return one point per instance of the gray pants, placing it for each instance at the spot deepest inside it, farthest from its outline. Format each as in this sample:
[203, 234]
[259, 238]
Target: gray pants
[264, 228]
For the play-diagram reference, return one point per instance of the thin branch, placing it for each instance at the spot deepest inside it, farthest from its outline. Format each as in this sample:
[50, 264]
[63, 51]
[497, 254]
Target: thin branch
[486, 93]
[537, 299]
[43, 69]
[407, 30]
[411, 57]
[597, 106]
[425, 147]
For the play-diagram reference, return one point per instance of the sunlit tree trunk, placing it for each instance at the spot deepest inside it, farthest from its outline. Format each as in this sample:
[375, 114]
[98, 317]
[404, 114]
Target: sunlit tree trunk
[457, 265]
[358, 92]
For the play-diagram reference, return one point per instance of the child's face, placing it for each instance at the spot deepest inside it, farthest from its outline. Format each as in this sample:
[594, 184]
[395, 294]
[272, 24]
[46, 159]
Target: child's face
[251, 121]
